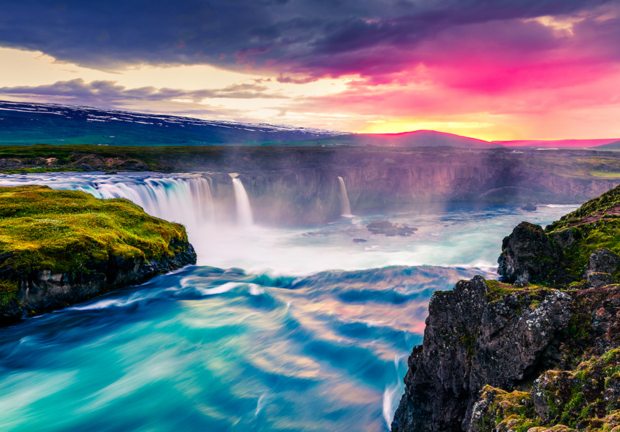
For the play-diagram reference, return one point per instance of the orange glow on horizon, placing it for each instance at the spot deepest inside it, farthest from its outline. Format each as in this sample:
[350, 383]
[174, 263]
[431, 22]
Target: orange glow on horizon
[481, 131]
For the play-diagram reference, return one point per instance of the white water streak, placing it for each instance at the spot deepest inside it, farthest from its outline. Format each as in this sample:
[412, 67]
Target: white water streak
[244, 210]
[345, 206]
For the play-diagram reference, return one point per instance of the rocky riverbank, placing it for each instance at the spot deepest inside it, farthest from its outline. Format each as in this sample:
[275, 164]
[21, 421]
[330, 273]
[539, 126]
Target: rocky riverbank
[537, 352]
[58, 248]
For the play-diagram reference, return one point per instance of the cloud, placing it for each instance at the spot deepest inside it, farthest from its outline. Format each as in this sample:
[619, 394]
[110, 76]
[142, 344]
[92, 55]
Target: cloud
[315, 38]
[108, 93]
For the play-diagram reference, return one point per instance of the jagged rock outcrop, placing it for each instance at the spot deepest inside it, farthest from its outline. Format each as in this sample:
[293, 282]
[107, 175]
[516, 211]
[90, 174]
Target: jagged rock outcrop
[581, 248]
[529, 255]
[498, 358]
[579, 392]
[524, 357]
[475, 335]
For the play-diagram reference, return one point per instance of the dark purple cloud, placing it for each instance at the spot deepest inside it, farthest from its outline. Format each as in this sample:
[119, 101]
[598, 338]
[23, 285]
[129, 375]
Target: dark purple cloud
[312, 38]
[109, 93]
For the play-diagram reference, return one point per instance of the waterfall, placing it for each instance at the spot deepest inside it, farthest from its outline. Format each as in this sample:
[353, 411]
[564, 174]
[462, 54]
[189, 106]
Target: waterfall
[201, 190]
[181, 198]
[244, 211]
[184, 200]
[345, 206]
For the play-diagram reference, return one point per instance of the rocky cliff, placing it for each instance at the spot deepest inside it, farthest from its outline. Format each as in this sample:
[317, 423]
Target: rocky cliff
[61, 247]
[538, 352]
[301, 185]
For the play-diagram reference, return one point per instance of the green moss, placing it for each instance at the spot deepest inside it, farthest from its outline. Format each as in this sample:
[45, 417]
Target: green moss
[62, 231]
[508, 411]
[594, 226]
[8, 292]
[575, 400]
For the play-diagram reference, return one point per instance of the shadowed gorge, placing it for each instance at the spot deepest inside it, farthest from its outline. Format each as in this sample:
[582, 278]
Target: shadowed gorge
[301, 186]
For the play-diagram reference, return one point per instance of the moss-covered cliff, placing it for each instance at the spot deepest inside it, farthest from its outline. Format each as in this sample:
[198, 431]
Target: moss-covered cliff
[537, 352]
[59, 247]
[581, 248]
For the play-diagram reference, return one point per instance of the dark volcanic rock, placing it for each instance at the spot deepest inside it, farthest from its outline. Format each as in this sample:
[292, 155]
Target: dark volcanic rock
[580, 387]
[599, 279]
[529, 256]
[84, 167]
[474, 337]
[603, 261]
[44, 291]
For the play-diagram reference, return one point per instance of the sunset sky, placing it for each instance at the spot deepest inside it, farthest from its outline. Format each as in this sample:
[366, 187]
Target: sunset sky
[490, 69]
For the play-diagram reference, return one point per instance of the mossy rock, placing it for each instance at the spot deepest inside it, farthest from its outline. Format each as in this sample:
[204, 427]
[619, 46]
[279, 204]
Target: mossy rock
[84, 244]
[585, 398]
[593, 226]
[59, 230]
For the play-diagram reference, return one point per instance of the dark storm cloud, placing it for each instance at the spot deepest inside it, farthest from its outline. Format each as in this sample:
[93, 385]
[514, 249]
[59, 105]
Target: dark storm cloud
[289, 36]
[108, 92]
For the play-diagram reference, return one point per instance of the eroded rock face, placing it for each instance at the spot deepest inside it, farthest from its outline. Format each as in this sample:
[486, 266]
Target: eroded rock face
[529, 256]
[601, 264]
[603, 261]
[44, 291]
[580, 388]
[474, 337]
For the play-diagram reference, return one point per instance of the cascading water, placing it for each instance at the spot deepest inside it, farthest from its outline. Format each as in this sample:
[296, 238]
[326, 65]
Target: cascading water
[345, 206]
[180, 198]
[244, 210]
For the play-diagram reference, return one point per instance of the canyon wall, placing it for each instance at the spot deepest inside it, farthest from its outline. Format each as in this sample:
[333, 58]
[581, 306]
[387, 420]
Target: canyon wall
[305, 190]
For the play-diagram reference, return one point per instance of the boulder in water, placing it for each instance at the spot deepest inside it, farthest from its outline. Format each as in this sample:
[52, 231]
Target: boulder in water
[389, 229]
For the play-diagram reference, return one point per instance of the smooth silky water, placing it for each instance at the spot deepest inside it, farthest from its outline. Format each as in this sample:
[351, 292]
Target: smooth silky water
[257, 336]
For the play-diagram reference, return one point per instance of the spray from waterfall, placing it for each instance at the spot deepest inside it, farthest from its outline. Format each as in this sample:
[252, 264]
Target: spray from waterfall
[244, 210]
[345, 206]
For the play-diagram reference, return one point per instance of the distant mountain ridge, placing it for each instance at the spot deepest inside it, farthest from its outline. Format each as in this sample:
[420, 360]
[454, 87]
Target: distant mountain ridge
[38, 123]
[611, 146]
[421, 138]
[35, 123]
